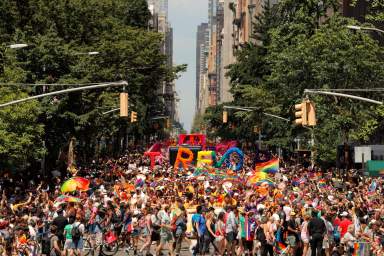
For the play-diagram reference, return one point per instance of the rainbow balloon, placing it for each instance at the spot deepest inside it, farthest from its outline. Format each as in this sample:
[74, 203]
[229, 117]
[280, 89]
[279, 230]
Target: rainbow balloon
[74, 184]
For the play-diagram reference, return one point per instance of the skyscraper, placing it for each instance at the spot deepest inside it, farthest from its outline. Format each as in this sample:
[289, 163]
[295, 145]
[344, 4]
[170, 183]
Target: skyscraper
[160, 23]
[201, 61]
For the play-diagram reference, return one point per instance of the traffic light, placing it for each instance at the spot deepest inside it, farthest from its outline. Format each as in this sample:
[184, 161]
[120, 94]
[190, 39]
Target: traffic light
[256, 129]
[305, 113]
[225, 116]
[311, 113]
[301, 114]
[124, 104]
[133, 117]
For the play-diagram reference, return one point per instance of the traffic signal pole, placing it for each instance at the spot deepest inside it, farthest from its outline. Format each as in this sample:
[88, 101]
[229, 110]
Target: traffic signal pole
[83, 88]
[251, 109]
[309, 91]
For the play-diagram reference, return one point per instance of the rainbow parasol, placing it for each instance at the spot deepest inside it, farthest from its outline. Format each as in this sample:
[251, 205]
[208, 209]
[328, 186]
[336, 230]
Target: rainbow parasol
[67, 199]
[75, 183]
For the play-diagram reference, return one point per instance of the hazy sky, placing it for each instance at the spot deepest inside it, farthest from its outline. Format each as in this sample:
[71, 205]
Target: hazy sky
[185, 16]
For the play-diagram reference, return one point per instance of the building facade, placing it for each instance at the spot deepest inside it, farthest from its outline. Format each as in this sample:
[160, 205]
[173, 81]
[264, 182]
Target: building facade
[230, 25]
[202, 40]
[160, 23]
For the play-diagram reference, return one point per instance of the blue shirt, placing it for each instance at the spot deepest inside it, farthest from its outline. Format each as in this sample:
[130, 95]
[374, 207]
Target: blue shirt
[202, 225]
[198, 218]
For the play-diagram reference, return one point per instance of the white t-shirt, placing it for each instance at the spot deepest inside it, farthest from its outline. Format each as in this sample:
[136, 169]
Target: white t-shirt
[80, 226]
[276, 217]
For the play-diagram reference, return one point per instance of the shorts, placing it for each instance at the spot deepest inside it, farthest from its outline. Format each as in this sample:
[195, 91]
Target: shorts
[326, 244]
[305, 239]
[248, 245]
[165, 237]
[231, 236]
[291, 241]
[155, 236]
[79, 244]
[135, 232]
[69, 244]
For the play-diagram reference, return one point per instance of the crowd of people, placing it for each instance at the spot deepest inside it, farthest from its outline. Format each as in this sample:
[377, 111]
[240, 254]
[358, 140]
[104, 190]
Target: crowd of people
[305, 211]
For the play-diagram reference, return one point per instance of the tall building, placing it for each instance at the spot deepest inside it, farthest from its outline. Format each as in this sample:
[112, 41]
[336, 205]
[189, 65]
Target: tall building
[201, 42]
[219, 47]
[160, 23]
[227, 54]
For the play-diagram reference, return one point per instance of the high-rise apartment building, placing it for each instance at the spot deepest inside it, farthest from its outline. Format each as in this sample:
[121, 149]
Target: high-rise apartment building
[202, 40]
[160, 23]
[231, 24]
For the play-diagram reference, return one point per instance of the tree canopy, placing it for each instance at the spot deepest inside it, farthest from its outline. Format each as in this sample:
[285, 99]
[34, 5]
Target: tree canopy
[60, 34]
[297, 46]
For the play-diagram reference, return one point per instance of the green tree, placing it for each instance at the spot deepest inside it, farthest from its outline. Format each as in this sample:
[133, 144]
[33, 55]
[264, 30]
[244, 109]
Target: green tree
[300, 48]
[59, 35]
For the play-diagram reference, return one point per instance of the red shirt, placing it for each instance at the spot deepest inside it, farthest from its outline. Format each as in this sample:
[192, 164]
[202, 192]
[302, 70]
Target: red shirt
[336, 222]
[344, 226]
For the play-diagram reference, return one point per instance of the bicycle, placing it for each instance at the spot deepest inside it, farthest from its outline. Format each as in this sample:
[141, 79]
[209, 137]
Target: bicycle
[87, 248]
[109, 245]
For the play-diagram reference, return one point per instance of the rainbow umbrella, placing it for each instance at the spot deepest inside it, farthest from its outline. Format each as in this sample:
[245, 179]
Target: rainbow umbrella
[75, 183]
[67, 199]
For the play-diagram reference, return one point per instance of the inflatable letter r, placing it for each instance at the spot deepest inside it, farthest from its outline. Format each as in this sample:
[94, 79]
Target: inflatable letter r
[181, 160]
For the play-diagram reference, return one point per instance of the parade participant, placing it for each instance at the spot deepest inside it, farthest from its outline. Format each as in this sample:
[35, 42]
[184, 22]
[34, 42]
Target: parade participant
[69, 244]
[166, 238]
[231, 229]
[158, 205]
[54, 242]
[60, 222]
[220, 233]
[181, 227]
[316, 231]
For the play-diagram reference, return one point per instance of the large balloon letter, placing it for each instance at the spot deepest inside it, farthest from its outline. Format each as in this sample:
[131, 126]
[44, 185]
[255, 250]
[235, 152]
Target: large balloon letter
[152, 156]
[205, 158]
[226, 158]
[182, 160]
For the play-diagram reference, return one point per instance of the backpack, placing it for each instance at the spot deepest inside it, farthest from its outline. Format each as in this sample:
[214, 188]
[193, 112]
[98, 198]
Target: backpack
[260, 235]
[173, 223]
[336, 233]
[75, 232]
[46, 244]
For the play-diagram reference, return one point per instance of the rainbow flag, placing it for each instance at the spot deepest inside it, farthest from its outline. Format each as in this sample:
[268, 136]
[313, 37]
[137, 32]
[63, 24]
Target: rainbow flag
[256, 177]
[265, 181]
[247, 227]
[280, 248]
[322, 183]
[271, 166]
[359, 249]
